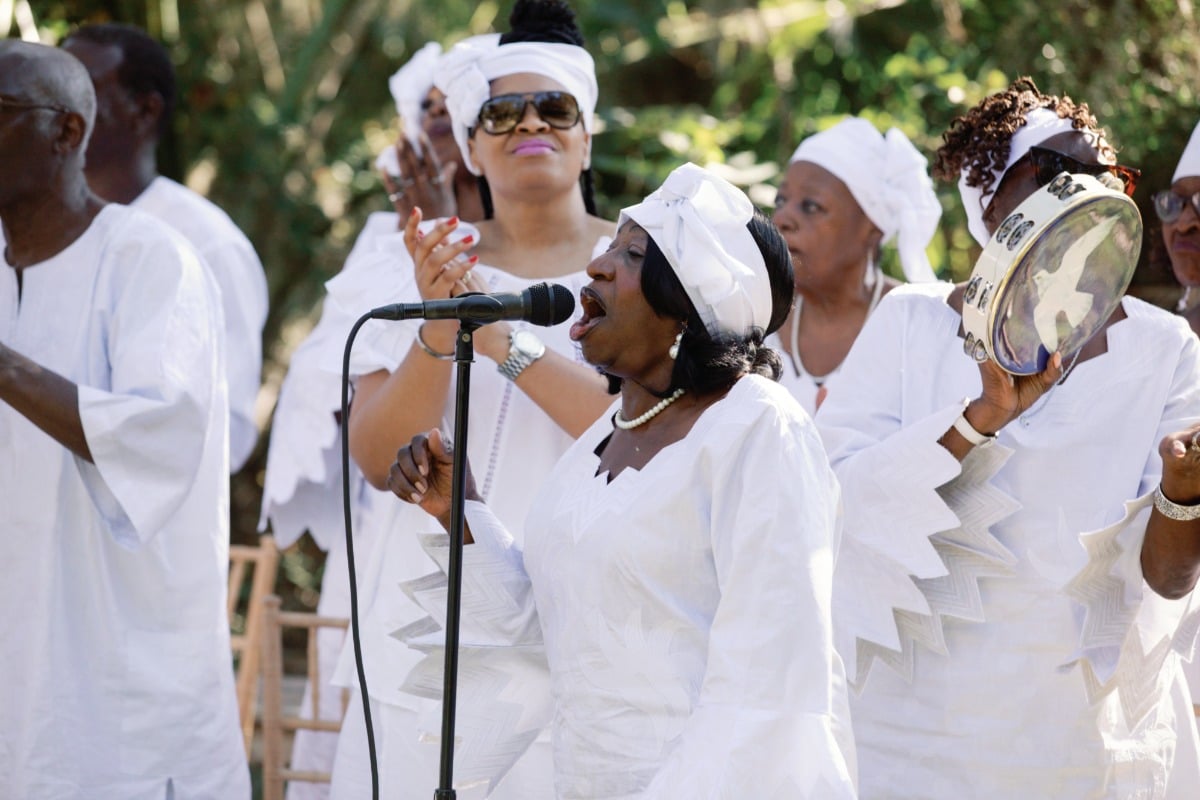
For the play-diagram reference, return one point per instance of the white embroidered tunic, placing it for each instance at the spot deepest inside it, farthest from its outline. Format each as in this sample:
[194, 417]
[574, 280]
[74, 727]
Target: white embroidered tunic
[1027, 657]
[684, 609]
[115, 673]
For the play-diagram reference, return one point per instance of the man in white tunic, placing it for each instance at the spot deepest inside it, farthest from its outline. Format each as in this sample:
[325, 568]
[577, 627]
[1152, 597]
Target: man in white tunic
[135, 95]
[115, 675]
[1022, 564]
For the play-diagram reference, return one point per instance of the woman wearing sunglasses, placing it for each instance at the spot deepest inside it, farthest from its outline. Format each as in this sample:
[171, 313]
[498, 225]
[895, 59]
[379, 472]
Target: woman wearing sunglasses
[521, 113]
[1178, 208]
[1011, 542]
[848, 190]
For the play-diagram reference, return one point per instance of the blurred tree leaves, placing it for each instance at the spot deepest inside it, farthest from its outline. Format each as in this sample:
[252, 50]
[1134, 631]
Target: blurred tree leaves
[283, 103]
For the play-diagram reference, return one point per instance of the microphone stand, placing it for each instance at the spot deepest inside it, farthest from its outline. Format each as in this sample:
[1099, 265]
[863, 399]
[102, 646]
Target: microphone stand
[464, 352]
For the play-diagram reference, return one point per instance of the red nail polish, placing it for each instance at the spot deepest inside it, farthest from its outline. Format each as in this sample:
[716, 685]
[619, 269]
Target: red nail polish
[452, 221]
[413, 213]
[473, 259]
[468, 239]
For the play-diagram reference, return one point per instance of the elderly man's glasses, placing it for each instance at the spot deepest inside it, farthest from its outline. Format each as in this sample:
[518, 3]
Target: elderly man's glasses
[1049, 163]
[8, 104]
[500, 114]
[1169, 206]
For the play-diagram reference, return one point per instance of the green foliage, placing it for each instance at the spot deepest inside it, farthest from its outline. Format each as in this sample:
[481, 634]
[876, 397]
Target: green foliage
[285, 102]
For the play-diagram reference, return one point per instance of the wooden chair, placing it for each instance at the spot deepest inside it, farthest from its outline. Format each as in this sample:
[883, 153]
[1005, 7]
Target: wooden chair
[255, 565]
[275, 724]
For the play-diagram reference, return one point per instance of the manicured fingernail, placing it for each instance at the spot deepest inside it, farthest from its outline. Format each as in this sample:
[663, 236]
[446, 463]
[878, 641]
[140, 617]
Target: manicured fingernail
[413, 213]
[424, 470]
[473, 259]
[417, 498]
[468, 239]
[1179, 449]
[420, 486]
[452, 221]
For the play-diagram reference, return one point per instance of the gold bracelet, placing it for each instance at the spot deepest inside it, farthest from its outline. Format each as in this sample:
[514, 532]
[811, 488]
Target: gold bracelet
[421, 343]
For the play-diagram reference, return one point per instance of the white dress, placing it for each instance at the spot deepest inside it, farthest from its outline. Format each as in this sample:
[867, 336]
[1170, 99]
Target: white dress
[512, 447]
[243, 283]
[116, 681]
[1023, 656]
[684, 609]
[302, 491]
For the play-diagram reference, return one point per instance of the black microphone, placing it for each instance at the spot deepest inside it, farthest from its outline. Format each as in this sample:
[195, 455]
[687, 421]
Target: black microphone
[540, 304]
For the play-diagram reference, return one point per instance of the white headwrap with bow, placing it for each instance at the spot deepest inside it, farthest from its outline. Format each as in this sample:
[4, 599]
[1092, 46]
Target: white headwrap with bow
[698, 221]
[1189, 162]
[1040, 125]
[465, 72]
[889, 179]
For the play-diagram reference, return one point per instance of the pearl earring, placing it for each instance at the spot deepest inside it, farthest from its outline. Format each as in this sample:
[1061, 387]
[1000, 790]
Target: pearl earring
[673, 350]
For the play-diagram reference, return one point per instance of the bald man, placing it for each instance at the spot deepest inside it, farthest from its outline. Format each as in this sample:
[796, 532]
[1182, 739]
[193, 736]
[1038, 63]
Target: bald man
[135, 97]
[115, 676]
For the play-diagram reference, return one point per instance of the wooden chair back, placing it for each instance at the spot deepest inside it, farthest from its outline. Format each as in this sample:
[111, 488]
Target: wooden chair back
[252, 567]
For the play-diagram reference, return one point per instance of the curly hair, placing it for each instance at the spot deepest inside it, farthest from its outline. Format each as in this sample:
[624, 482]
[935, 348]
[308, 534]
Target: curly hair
[978, 142]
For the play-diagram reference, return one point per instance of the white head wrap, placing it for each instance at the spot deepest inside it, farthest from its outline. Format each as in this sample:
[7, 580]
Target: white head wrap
[698, 221]
[465, 72]
[1189, 162]
[1040, 125]
[890, 181]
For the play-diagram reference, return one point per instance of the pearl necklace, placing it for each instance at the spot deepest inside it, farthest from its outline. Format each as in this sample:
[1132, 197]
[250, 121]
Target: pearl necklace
[628, 424]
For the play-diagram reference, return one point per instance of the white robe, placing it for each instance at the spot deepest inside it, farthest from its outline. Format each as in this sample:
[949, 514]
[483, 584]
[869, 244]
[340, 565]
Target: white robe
[239, 274]
[115, 671]
[1025, 657]
[684, 610]
[512, 447]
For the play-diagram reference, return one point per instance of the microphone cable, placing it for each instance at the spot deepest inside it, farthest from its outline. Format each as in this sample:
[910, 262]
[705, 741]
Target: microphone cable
[344, 424]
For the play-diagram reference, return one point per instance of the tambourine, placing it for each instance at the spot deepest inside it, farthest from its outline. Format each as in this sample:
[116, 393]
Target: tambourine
[1052, 273]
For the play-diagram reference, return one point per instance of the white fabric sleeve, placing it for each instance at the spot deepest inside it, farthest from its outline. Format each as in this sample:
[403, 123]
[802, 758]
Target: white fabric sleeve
[147, 429]
[1128, 631]
[763, 722]
[504, 697]
[243, 286]
[916, 520]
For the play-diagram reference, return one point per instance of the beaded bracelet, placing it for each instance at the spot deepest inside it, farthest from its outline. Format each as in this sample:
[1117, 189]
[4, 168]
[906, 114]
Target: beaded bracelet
[421, 343]
[1172, 510]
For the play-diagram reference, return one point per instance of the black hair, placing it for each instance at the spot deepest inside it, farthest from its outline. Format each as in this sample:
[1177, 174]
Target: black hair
[542, 21]
[706, 364]
[145, 64]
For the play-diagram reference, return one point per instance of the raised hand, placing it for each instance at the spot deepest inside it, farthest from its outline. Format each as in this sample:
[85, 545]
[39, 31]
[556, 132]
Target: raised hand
[423, 181]
[1005, 396]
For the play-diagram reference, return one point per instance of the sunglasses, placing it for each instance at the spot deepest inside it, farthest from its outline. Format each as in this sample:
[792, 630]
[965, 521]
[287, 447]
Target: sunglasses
[8, 104]
[1047, 164]
[500, 114]
[1168, 205]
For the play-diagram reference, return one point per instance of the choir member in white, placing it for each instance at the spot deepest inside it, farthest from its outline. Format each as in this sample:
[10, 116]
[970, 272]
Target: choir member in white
[847, 191]
[1022, 564]
[533, 160]
[115, 670]
[676, 567]
[135, 93]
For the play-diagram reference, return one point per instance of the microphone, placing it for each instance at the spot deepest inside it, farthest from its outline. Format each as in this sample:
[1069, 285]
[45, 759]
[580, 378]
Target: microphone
[541, 304]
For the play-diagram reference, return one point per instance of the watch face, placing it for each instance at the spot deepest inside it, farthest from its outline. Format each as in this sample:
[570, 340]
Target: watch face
[528, 343]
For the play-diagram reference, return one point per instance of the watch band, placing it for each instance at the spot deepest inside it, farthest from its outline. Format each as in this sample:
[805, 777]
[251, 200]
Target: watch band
[1172, 510]
[515, 364]
[524, 348]
[967, 430]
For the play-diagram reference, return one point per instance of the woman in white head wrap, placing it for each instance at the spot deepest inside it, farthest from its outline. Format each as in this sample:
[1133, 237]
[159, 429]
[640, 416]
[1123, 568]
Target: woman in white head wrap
[436, 181]
[1178, 209]
[680, 554]
[1013, 546]
[847, 191]
[530, 109]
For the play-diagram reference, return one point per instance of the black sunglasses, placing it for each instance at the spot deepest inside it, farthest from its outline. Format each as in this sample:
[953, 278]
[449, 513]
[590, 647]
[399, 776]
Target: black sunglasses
[1168, 205]
[500, 114]
[8, 104]
[1047, 164]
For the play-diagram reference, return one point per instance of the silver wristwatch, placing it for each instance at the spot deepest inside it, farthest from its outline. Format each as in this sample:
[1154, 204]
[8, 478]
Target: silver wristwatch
[524, 348]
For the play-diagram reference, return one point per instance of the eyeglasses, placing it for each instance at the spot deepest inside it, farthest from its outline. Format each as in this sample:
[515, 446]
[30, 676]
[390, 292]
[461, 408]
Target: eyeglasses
[7, 104]
[1047, 164]
[1169, 206]
[500, 114]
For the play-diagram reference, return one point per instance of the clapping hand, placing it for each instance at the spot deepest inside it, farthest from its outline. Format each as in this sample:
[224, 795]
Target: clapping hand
[422, 181]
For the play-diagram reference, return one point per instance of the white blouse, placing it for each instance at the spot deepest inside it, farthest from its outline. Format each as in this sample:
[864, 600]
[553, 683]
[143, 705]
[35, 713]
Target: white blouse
[1005, 594]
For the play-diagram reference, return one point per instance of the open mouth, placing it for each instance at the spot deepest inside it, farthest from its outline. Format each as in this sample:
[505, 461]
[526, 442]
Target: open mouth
[593, 312]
